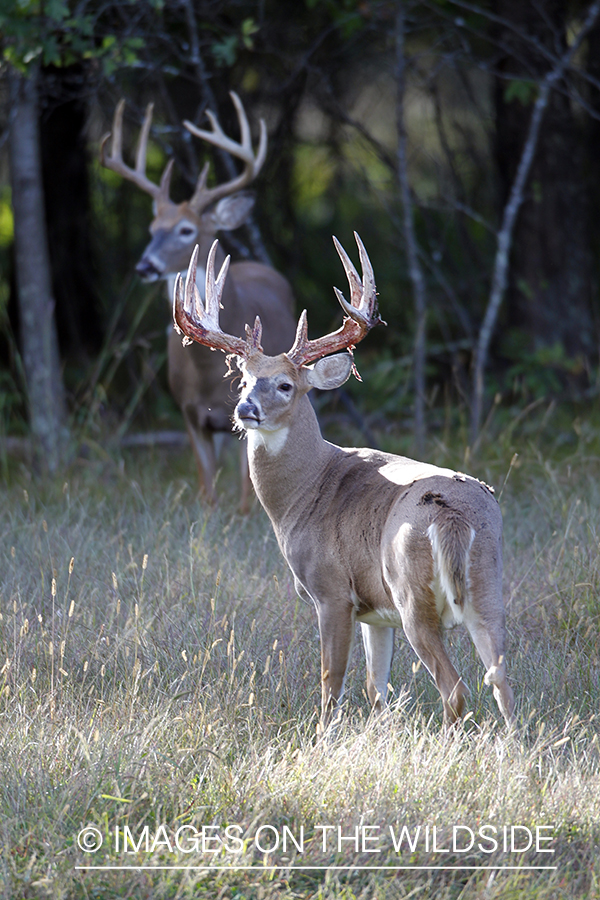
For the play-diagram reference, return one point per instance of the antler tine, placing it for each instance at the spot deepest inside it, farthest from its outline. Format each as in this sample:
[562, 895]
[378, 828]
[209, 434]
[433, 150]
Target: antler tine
[117, 141]
[140, 156]
[242, 150]
[115, 162]
[368, 275]
[361, 315]
[193, 300]
[246, 142]
[301, 340]
[214, 287]
[363, 294]
[200, 322]
[351, 273]
[254, 336]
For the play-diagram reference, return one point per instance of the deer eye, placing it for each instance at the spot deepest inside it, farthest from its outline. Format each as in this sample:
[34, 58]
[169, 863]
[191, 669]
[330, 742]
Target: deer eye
[186, 230]
[285, 387]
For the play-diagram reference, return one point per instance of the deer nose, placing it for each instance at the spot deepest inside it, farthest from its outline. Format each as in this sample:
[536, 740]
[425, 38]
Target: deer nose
[147, 270]
[247, 409]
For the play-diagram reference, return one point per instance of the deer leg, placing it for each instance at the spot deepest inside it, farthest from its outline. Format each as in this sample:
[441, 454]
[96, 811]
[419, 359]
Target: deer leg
[219, 438]
[336, 627]
[245, 479]
[206, 460]
[422, 627]
[488, 638]
[379, 650]
[485, 622]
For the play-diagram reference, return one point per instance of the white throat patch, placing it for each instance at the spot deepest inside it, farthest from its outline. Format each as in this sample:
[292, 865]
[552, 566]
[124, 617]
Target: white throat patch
[272, 441]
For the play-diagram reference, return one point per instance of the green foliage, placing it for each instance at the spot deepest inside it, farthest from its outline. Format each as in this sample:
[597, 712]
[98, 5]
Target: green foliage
[348, 15]
[314, 171]
[51, 34]
[227, 49]
[523, 91]
[6, 218]
[541, 371]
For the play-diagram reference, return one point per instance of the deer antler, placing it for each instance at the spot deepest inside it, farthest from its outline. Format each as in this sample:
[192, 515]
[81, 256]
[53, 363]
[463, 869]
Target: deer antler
[362, 313]
[204, 196]
[114, 161]
[200, 322]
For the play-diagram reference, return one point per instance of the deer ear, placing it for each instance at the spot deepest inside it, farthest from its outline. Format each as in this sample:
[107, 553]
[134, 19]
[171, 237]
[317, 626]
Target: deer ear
[231, 212]
[330, 372]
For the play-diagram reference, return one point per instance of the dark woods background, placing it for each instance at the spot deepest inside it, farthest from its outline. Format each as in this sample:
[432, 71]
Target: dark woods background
[406, 122]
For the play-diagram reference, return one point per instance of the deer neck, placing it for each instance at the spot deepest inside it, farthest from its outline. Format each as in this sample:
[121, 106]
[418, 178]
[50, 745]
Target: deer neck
[285, 464]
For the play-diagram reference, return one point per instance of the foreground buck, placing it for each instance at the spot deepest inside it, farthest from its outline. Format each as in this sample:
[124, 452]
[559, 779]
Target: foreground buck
[196, 376]
[370, 537]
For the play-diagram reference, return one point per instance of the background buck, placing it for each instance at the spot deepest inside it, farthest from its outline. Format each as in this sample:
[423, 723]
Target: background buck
[369, 536]
[197, 376]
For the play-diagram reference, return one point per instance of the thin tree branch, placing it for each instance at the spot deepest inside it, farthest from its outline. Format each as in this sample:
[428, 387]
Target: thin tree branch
[256, 241]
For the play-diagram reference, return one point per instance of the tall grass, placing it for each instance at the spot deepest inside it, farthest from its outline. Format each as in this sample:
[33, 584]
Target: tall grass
[158, 671]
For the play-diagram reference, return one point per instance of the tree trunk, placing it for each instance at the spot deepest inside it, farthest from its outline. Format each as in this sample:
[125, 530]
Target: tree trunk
[39, 344]
[64, 155]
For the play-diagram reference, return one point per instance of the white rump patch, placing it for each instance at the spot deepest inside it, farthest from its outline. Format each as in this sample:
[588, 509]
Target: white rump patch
[450, 612]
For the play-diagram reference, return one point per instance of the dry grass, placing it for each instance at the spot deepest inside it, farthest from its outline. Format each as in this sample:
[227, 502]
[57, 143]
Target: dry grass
[158, 671]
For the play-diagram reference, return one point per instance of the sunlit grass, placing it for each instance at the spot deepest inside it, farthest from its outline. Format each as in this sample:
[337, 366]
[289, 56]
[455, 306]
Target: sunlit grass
[158, 671]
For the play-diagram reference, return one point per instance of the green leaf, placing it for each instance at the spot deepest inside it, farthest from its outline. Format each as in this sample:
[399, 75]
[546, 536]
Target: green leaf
[523, 91]
[225, 52]
[249, 28]
[57, 10]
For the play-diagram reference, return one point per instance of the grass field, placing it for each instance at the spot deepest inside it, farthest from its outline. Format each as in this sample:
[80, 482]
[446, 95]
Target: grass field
[159, 682]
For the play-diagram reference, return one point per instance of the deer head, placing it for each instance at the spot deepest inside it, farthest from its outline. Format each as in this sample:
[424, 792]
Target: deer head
[177, 227]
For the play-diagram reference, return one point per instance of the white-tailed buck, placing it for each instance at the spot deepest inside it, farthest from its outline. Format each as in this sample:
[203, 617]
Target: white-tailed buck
[369, 536]
[197, 376]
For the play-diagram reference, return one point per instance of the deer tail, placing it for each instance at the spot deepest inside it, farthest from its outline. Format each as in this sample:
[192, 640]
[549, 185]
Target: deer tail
[451, 539]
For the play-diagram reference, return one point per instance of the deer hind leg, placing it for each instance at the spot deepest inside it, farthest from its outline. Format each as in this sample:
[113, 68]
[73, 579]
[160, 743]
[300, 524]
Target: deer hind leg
[336, 627]
[422, 627]
[379, 650]
[485, 621]
[488, 637]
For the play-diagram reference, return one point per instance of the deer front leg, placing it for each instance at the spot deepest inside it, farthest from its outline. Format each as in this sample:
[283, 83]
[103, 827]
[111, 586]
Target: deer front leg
[336, 627]
[246, 491]
[204, 454]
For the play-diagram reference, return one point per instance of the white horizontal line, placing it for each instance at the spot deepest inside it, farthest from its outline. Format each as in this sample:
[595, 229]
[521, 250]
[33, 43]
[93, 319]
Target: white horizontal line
[259, 868]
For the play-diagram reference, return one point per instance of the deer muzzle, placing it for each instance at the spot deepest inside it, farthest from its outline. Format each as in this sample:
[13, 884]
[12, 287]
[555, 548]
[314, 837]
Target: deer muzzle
[147, 270]
[247, 414]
